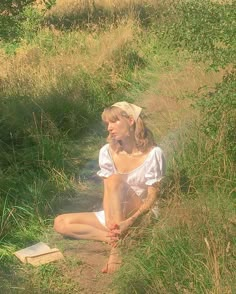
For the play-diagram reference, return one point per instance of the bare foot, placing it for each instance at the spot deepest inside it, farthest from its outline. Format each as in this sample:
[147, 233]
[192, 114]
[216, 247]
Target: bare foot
[114, 262]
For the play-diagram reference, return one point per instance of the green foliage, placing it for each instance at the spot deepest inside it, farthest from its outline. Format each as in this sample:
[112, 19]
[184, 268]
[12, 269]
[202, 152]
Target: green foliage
[49, 3]
[36, 129]
[31, 19]
[218, 110]
[10, 18]
[183, 251]
[206, 28]
[10, 28]
[13, 7]
[39, 133]
[47, 278]
[19, 19]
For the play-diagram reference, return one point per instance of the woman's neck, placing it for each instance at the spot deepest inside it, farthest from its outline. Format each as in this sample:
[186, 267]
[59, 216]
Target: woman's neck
[129, 145]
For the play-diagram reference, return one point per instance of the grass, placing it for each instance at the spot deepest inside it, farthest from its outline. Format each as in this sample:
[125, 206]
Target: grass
[190, 251]
[191, 247]
[53, 89]
[54, 82]
[42, 279]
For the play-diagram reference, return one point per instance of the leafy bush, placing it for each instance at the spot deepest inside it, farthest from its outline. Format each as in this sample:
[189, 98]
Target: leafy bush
[10, 18]
[218, 110]
[31, 19]
[206, 28]
[21, 19]
[186, 250]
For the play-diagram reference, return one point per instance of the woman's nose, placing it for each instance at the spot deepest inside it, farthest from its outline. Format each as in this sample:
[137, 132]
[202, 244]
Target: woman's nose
[109, 127]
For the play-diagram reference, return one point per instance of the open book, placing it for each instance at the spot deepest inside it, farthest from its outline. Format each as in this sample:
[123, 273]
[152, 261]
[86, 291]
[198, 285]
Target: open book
[38, 254]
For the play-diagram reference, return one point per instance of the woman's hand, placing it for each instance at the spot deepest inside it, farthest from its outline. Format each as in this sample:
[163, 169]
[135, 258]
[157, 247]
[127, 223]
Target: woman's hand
[121, 228]
[113, 238]
[125, 225]
[113, 234]
[116, 231]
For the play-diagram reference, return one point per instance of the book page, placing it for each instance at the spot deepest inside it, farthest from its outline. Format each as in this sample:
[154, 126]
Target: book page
[37, 249]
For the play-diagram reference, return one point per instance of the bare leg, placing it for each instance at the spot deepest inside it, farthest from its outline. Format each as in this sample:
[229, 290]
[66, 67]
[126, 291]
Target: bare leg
[121, 202]
[119, 198]
[81, 226]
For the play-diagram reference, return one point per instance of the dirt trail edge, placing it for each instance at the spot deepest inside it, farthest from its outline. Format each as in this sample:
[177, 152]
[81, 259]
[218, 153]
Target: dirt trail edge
[84, 259]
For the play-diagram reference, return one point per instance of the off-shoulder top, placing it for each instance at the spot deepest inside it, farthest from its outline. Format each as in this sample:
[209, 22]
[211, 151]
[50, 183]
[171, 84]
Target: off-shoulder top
[148, 173]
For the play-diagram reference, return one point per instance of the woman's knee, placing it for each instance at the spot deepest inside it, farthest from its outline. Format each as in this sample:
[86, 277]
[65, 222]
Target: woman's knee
[116, 182]
[60, 224]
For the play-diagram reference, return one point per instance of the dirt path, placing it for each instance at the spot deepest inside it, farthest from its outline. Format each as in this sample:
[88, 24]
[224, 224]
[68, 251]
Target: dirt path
[84, 259]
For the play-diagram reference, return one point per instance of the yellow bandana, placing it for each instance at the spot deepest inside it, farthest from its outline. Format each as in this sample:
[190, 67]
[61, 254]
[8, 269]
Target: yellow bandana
[129, 108]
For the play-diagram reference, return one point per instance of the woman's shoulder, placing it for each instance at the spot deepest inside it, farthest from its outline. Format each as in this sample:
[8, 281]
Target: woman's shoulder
[105, 162]
[104, 152]
[156, 150]
[156, 155]
[104, 148]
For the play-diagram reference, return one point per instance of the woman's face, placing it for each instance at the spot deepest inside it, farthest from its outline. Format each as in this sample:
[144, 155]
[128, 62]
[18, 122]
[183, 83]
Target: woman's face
[120, 129]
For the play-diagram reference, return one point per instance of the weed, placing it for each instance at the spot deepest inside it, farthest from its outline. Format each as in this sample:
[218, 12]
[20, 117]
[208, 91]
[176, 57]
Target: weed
[69, 63]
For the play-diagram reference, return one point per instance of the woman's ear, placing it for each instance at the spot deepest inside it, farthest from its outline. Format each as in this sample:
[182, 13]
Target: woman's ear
[131, 121]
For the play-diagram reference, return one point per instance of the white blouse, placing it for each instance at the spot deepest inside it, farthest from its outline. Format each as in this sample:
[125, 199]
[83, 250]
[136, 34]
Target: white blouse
[149, 172]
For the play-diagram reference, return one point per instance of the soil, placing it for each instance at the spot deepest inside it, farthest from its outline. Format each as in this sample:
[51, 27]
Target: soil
[85, 258]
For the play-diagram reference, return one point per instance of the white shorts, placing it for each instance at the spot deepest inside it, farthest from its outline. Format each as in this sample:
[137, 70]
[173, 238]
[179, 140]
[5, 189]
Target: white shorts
[101, 215]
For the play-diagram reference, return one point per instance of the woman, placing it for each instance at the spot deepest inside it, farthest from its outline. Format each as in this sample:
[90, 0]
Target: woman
[131, 167]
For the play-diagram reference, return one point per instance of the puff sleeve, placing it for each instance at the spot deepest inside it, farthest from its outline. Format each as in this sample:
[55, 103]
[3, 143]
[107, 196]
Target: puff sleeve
[156, 168]
[105, 163]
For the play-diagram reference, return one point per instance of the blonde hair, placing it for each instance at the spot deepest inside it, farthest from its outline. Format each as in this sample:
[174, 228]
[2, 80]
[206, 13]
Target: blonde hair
[143, 136]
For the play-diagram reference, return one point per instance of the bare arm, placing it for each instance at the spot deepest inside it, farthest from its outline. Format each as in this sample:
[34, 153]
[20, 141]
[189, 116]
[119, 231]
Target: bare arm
[153, 194]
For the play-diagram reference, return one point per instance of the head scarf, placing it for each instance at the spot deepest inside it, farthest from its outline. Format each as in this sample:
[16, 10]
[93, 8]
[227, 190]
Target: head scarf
[129, 108]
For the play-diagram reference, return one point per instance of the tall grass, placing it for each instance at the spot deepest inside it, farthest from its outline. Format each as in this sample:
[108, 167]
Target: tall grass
[191, 248]
[56, 77]
[52, 90]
